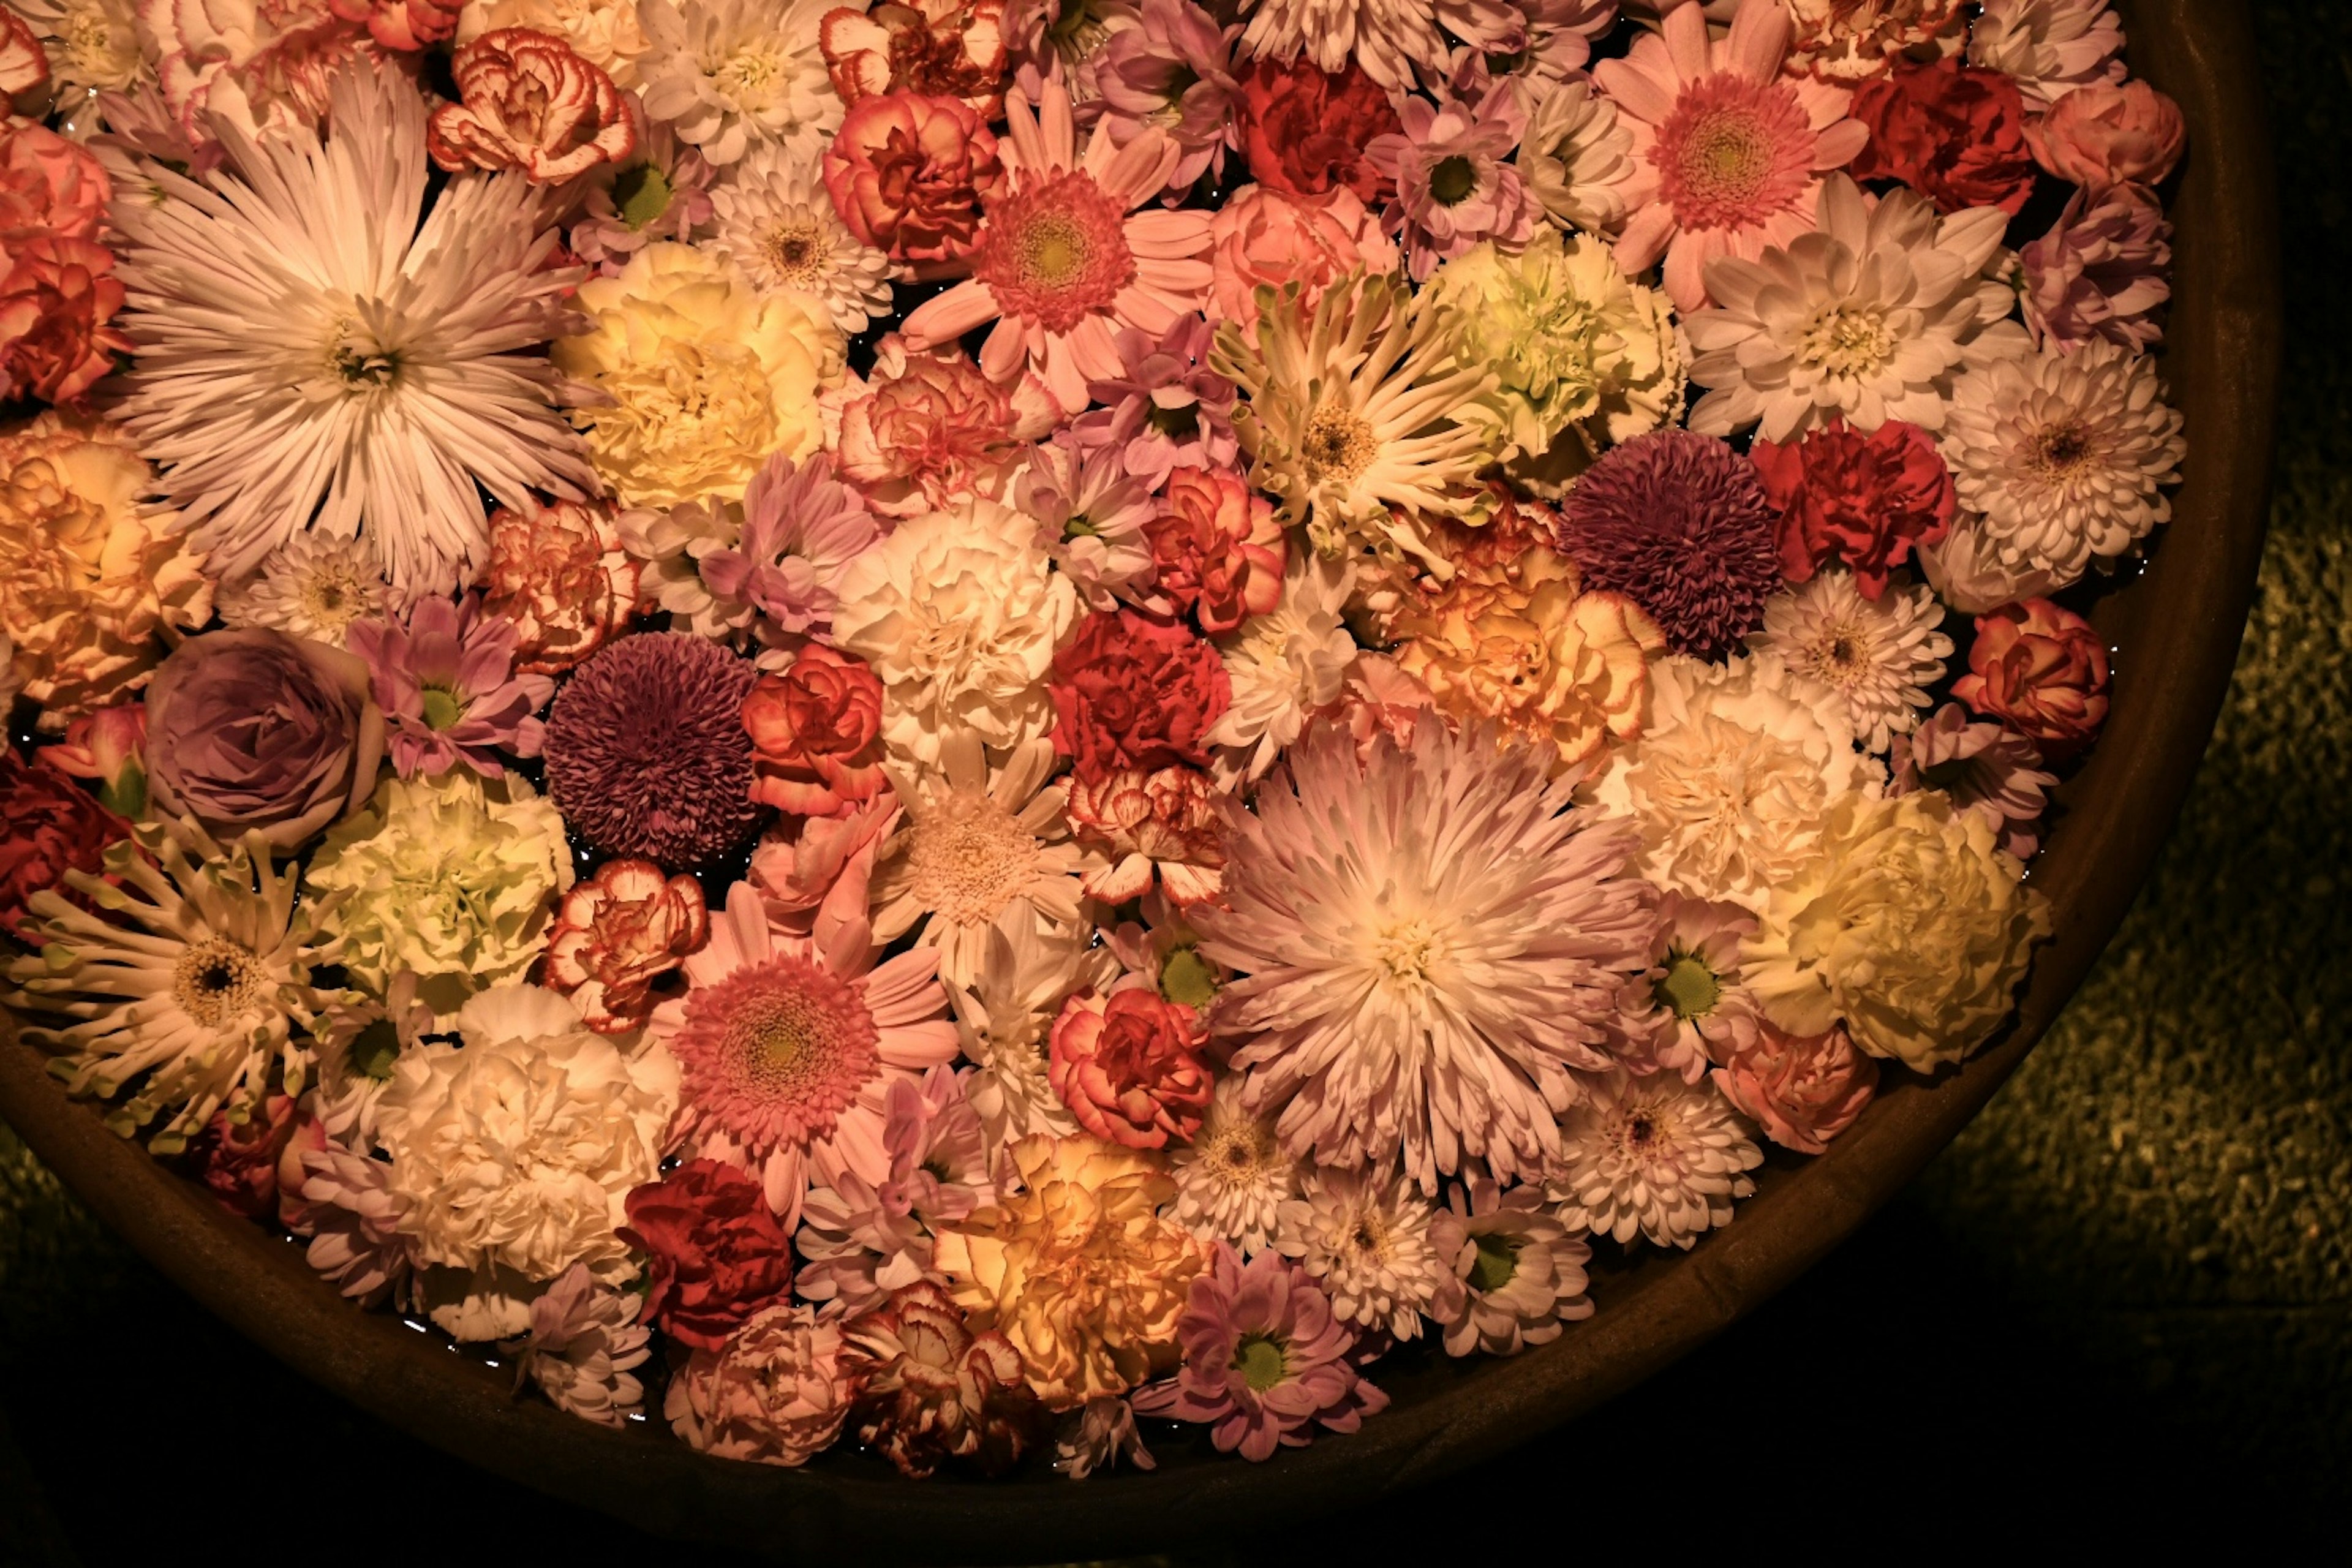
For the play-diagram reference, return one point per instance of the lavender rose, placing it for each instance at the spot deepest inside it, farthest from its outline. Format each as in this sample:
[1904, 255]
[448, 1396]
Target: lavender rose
[256, 731]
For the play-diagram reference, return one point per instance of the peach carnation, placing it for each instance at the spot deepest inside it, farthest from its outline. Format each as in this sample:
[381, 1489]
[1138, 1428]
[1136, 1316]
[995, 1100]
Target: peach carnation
[1155, 826]
[1129, 1067]
[1266, 239]
[562, 578]
[48, 185]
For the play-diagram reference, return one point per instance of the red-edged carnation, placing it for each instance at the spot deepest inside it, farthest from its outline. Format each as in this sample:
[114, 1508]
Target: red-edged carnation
[531, 104]
[1133, 692]
[715, 1253]
[1217, 547]
[1129, 1065]
[947, 49]
[56, 301]
[1950, 130]
[48, 185]
[1803, 1089]
[24, 65]
[817, 734]
[1867, 500]
[1159, 826]
[1304, 131]
[616, 935]
[48, 826]
[2040, 670]
[562, 578]
[405, 25]
[908, 173]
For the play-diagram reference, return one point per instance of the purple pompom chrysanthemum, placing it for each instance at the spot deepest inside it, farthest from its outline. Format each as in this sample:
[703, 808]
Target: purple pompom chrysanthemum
[1679, 523]
[646, 753]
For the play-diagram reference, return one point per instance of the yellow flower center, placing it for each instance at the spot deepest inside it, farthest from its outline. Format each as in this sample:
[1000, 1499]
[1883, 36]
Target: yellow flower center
[1338, 445]
[1848, 342]
[216, 982]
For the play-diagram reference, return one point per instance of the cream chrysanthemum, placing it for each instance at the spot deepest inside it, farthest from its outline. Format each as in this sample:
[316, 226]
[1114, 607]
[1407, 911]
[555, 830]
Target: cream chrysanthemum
[2048, 48]
[1577, 158]
[1284, 666]
[774, 219]
[1364, 1238]
[730, 75]
[704, 377]
[1357, 415]
[311, 586]
[1870, 317]
[1430, 943]
[1234, 1177]
[1881, 655]
[184, 988]
[1732, 776]
[958, 613]
[1389, 38]
[1005, 1017]
[1654, 1157]
[315, 349]
[1908, 923]
[2063, 456]
[982, 850]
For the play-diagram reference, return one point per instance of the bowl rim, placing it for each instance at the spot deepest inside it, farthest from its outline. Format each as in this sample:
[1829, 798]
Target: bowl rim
[2175, 631]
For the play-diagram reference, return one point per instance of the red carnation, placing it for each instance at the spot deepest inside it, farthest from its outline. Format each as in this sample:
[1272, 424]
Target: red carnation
[48, 826]
[1130, 692]
[716, 1254]
[1868, 500]
[1950, 130]
[1304, 131]
[56, 301]
[1217, 547]
[2040, 670]
[817, 734]
[909, 173]
[1129, 1068]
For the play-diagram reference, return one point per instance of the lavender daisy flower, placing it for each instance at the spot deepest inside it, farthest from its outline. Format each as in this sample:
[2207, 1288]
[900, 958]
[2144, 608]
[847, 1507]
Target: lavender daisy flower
[1173, 69]
[802, 527]
[1090, 514]
[446, 681]
[1452, 186]
[1988, 769]
[1166, 408]
[2100, 271]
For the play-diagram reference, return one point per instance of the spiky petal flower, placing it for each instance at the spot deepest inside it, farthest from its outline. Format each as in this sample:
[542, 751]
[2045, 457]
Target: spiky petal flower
[730, 75]
[314, 350]
[1430, 941]
[1654, 1157]
[311, 588]
[183, 991]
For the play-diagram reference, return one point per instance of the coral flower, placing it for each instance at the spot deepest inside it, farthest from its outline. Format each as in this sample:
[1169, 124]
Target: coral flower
[1129, 1066]
[1729, 153]
[817, 734]
[1063, 261]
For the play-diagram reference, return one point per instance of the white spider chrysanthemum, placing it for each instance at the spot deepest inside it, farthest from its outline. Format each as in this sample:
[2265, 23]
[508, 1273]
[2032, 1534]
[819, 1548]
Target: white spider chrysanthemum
[1869, 316]
[1387, 37]
[1234, 1177]
[184, 993]
[1577, 157]
[1355, 414]
[313, 352]
[983, 848]
[1283, 666]
[1732, 776]
[1364, 1238]
[2049, 48]
[1654, 1157]
[2064, 457]
[1881, 655]
[774, 219]
[1430, 941]
[730, 75]
[1005, 1018]
[311, 586]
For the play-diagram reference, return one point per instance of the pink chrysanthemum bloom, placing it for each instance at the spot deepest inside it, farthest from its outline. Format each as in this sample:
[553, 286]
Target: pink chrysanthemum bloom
[802, 527]
[1654, 1157]
[781, 1036]
[1703, 1013]
[1091, 512]
[1265, 1362]
[445, 679]
[1174, 70]
[1989, 769]
[1452, 186]
[868, 1230]
[1536, 45]
[1064, 262]
[2100, 271]
[664, 194]
[1163, 407]
[1729, 155]
[1522, 1275]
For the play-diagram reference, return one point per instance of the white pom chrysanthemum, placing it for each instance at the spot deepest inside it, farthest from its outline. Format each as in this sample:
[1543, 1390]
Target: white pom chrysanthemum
[1654, 1157]
[774, 220]
[1429, 941]
[1881, 655]
[1364, 1238]
[1234, 1177]
[311, 586]
[1732, 776]
[730, 75]
[2064, 456]
[1283, 666]
[314, 350]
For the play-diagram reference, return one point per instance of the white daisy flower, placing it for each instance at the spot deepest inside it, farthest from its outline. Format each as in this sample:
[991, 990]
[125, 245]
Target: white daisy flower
[773, 217]
[1654, 1157]
[1364, 1238]
[728, 75]
[311, 586]
[1881, 655]
[1234, 1177]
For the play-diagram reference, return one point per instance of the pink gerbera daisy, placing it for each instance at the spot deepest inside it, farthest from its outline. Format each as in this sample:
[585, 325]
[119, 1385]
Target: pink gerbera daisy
[783, 1041]
[1729, 153]
[1064, 260]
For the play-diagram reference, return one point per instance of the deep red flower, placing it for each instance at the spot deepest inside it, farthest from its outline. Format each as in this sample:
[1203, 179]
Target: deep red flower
[1867, 500]
[1950, 130]
[48, 826]
[817, 734]
[1130, 1068]
[715, 1253]
[1217, 547]
[1133, 692]
[1304, 131]
[2042, 671]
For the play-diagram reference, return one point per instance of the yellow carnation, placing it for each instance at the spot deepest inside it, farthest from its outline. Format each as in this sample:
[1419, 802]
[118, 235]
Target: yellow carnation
[1909, 924]
[88, 575]
[1079, 1269]
[705, 376]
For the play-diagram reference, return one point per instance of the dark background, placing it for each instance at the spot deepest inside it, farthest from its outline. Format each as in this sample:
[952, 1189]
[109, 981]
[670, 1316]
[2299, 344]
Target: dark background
[2116, 1312]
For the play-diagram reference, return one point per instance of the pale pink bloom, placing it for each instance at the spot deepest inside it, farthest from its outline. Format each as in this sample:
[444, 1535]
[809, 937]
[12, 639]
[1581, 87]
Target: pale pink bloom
[780, 1037]
[2105, 134]
[2100, 271]
[868, 1230]
[1522, 1275]
[1803, 1090]
[663, 194]
[821, 863]
[802, 527]
[1381, 698]
[403, 24]
[1700, 1011]
[354, 1218]
[1531, 43]
[1454, 187]
[777, 1393]
[582, 1349]
[1174, 70]
[1091, 513]
[47, 185]
[1264, 239]
[1064, 262]
[445, 679]
[1729, 155]
[1164, 407]
[1988, 769]
[2049, 48]
[927, 429]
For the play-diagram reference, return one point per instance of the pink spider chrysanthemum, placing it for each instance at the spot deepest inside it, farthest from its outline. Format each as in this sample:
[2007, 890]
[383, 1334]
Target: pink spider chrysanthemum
[1063, 262]
[1729, 153]
[782, 1042]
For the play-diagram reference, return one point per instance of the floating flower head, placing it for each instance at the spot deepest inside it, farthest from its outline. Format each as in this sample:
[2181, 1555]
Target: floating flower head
[1803, 1090]
[909, 173]
[1286, 665]
[582, 1348]
[617, 935]
[664, 194]
[1454, 187]
[1363, 1237]
[1164, 407]
[1577, 158]
[868, 1227]
[776, 220]
[1703, 1012]
[531, 101]
[445, 678]
[1233, 1176]
[817, 734]
[924, 432]
[732, 75]
[1652, 1157]
[561, 576]
[802, 527]
[778, 1392]
[1390, 39]
[1850, 41]
[1522, 1275]
[1881, 655]
[311, 586]
[1005, 1018]
[1867, 500]
[1174, 70]
[1987, 768]
[2049, 48]
[1091, 515]
[2100, 271]
[1131, 1066]
[932, 1390]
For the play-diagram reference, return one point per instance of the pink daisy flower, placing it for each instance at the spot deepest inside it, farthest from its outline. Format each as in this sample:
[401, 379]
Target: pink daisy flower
[1064, 262]
[445, 679]
[1729, 153]
[783, 1042]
